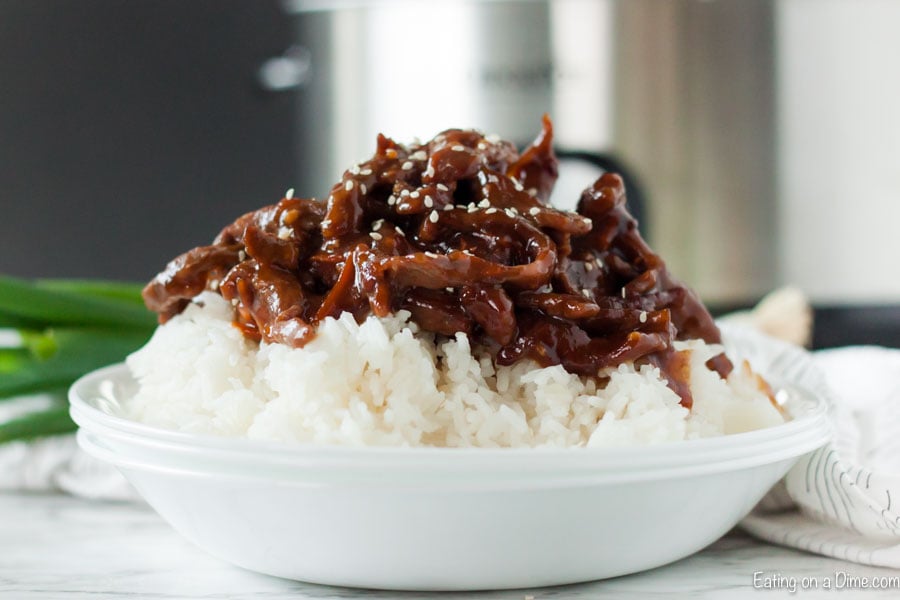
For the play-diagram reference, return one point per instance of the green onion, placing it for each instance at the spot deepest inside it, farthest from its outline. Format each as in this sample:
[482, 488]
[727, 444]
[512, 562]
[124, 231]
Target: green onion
[65, 327]
[27, 301]
[38, 424]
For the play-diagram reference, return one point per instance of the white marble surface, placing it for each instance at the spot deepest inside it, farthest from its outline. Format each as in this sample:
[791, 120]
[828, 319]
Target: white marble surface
[55, 546]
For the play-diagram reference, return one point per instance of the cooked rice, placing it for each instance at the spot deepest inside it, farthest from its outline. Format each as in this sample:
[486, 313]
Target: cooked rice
[385, 383]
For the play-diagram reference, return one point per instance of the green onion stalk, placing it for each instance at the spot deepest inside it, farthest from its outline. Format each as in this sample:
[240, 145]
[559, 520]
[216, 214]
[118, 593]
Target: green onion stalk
[53, 331]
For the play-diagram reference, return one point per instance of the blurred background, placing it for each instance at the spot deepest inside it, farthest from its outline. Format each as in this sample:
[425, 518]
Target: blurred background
[761, 140]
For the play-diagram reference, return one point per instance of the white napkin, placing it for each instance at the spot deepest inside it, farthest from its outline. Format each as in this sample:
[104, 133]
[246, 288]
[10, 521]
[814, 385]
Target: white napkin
[55, 463]
[844, 499]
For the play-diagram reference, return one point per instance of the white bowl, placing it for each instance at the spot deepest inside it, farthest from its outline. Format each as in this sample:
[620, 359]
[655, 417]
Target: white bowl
[452, 519]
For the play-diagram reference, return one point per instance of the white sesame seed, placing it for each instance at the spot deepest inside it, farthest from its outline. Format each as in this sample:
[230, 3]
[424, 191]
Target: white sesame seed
[391, 200]
[443, 187]
[234, 301]
[458, 148]
[363, 188]
[510, 212]
[586, 293]
[588, 222]
[484, 203]
[588, 266]
[404, 193]
[519, 187]
[428, 202]
[407, 166]
[326, 222]
[514, 210]
[289, 194]
[490, 211]
[472, 208]
[623, 292]
[493, 179]
[448, 207]
[532, 192]
[534, 211]
[348, 185]
[375, 236]
[418, 155]
[643, 317]
[449, 289]
[415, 194]
[398, 230]
[433, 217]
[599, 263]
[482, 146]
[429, 172]
[431, 255]
[354, 169]
[214, 284]
[242, 255]
[366, 171]
[284, 233]
[377, 224]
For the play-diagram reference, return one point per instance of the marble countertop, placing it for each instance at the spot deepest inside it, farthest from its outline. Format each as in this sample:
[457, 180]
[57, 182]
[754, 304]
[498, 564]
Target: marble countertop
[56, 546]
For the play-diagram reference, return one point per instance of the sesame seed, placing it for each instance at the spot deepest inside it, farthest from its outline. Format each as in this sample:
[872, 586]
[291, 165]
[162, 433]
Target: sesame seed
[284, 233]
[482, 146]
[519, 187]
[375, 236]
[392, 200]
[484, 203]
[214, 284]
[348, 185]
[532, 192]
[428, 202]
[429, 172]
[398, 230]
[289, 194]
[363, 188]
[419, 155]
[448, 207]
[366, 171]
[234, 301]
[510, 212]
[588, 266]
[431, 255]
[472, 208]
[415, 194]
[449, 289]
[443, 187]
[354, 169]
[377, 224]
[242, 255]
[514, 210]
[493, 179]
[586, 293]
[326, 222]
[599, 263]
[406, 166]
[588, 222]
[404, 193]
[458, 148]
[534, 211]
[623, 292]
[643, 317]
[490, 211]
[433, 217]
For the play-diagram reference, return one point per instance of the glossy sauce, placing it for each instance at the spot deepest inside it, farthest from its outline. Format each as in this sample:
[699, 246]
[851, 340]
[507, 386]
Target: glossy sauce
[458, 232]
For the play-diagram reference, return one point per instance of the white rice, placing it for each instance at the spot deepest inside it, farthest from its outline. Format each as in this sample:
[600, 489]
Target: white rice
[385, 383]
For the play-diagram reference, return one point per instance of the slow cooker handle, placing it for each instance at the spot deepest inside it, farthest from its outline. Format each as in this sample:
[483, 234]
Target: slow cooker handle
[609, 163]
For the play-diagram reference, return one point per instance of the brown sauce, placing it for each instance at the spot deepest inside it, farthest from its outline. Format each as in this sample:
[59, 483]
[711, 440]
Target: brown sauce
[458, 232]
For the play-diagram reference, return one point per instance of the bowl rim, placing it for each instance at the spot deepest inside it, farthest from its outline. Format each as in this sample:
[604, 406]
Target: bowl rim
[84, 394]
